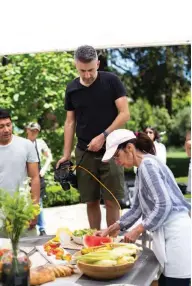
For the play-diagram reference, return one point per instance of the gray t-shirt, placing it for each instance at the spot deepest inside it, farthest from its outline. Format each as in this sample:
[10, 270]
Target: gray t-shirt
[13, 159]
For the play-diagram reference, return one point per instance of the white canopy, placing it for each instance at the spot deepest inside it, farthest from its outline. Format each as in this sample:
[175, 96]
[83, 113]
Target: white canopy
[30, 26]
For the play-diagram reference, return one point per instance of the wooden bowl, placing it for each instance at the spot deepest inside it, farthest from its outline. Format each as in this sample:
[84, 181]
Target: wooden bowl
[104, 272]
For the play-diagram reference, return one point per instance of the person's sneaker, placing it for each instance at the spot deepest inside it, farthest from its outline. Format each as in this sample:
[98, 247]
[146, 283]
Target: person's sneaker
[42, 232]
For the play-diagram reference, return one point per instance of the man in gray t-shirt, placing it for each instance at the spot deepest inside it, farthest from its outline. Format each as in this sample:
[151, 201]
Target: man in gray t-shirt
[18, 160]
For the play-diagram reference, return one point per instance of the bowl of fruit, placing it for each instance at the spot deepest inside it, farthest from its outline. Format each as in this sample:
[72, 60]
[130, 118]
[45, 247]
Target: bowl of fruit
[78, 235]
[108, 261]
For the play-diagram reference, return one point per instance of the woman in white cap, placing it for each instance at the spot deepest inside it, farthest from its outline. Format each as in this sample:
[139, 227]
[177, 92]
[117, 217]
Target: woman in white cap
[158, 202]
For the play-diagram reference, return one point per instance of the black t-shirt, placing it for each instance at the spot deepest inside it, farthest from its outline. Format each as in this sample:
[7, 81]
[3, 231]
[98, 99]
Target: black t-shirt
[94, 106]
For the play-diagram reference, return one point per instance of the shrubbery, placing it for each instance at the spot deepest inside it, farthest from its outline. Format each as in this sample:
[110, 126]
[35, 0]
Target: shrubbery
[55, 196]
[143, 115]
[181, 123]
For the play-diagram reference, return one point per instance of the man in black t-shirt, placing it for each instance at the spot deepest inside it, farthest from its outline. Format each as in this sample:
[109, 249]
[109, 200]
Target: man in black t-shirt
[96, 105]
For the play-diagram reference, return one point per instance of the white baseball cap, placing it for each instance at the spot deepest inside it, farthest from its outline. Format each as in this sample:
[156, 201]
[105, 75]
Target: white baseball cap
[114, 139]
[33, 126]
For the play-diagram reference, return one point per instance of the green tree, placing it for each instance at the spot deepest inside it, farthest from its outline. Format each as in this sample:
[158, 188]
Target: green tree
[32, 86]
[159, 74]
[143, 115]
[181, 123]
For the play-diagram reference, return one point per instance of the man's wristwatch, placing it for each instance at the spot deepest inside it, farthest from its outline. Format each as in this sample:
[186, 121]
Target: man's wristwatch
[105, 133]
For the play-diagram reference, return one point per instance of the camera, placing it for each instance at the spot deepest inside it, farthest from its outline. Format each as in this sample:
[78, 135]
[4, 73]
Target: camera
[65, 176]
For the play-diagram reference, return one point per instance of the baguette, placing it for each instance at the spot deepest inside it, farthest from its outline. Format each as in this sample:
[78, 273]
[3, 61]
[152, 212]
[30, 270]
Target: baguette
[48, 273]
[41, 275]
[61, 270]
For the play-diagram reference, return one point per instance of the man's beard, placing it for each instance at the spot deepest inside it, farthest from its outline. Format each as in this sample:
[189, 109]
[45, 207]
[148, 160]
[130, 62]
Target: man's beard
[89, 81]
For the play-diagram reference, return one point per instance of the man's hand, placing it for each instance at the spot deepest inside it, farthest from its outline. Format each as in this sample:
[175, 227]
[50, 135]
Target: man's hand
[96, 143]
[62, 160]
[134, 234]
[32, 223]
[112, 230]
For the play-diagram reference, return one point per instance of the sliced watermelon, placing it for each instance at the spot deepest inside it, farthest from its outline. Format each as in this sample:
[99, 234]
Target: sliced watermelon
[92, 240]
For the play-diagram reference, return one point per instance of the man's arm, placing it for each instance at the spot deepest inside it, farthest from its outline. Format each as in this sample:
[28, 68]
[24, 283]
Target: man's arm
[33, 173]
[69, 131]
[122, 117]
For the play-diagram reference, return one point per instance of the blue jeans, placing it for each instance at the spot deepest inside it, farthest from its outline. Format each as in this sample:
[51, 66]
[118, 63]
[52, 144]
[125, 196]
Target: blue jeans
[41, 221]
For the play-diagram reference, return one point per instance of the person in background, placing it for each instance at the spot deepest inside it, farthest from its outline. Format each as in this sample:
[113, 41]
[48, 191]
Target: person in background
[42, 150]
[18, 160]
[96, 104]
[188, 151]
[161, 152]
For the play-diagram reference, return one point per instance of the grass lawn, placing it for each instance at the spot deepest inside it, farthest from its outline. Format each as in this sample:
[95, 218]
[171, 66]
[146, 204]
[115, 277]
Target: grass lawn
[173, 152]
[187, 196]
[182, 180]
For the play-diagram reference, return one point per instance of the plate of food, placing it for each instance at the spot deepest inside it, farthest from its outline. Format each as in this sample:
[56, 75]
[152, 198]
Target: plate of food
[78, 235]
[54, 253]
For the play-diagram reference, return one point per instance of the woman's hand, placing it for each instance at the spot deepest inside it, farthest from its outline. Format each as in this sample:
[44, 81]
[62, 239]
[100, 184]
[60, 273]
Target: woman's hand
[134, 234]
[112, 230]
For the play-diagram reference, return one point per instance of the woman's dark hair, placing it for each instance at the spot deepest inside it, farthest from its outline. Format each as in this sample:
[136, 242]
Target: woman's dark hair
[4, 114]
[142, 142]
[156, 134]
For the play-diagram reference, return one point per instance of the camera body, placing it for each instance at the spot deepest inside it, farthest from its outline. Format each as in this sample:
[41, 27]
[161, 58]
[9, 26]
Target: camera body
[65, 176]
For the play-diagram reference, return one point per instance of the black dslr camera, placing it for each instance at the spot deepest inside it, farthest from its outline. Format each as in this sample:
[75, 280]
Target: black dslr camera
[65, 176]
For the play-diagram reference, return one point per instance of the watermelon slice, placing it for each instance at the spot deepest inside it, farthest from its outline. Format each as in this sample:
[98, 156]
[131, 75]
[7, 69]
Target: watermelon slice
[92, 240]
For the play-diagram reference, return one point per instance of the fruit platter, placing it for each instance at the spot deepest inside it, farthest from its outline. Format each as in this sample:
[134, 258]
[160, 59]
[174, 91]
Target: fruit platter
[107, 261]
[77, 235]
[54, 253]
[86, 237]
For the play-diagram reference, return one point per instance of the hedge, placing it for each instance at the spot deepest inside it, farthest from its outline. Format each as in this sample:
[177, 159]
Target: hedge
[56, 196]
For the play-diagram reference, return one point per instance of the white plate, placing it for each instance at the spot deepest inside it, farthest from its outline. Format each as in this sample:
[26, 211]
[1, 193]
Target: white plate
[60, 282]
[120, 285]
[78, 239]
[51, 258]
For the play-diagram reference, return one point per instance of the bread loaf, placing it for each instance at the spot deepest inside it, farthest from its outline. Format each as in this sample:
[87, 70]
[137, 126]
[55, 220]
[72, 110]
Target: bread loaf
[48, 273]
[41, 275]
[61, 270]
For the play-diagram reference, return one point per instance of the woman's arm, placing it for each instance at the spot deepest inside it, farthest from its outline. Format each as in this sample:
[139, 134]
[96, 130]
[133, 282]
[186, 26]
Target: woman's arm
[132, 215]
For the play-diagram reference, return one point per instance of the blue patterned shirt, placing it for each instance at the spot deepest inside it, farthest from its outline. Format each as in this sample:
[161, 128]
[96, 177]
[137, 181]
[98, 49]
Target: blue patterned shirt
[157, 195]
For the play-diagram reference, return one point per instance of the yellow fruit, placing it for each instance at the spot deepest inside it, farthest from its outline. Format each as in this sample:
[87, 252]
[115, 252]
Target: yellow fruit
[56, 239]
[63, 229]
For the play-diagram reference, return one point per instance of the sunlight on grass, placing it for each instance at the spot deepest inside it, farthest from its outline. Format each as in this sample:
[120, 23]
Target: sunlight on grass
[182, 180]
[187, 196]
[176, 154]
